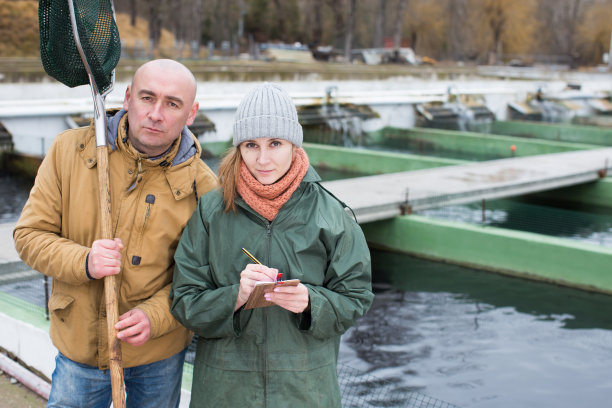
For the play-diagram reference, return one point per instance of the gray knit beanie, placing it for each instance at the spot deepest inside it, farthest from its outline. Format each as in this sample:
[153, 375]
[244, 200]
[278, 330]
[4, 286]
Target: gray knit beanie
[267, 111]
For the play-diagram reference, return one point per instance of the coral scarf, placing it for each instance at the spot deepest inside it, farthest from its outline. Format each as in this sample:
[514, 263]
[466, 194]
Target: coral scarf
[267, 200]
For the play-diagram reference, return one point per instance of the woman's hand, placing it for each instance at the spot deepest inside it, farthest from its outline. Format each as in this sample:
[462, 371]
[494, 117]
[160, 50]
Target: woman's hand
[293, 298]
[253, 273]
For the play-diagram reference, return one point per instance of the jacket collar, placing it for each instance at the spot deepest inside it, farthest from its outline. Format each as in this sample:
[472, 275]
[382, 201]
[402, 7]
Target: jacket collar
[116, 133]
[180, 179]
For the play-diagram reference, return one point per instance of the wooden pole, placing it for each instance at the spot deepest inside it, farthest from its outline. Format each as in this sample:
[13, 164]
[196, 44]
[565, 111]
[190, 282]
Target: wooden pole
[110, 290]
[110, 287]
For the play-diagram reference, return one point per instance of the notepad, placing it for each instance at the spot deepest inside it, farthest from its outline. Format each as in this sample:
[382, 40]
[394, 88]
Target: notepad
[257, 298]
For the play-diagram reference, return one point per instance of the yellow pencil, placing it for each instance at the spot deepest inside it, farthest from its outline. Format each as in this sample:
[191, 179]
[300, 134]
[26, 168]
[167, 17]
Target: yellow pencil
[250, 256]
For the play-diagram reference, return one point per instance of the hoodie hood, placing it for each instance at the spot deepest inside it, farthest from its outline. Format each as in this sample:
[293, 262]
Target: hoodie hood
[187, 148]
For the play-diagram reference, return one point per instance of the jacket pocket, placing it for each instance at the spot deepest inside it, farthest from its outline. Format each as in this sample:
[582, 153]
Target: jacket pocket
[59, 305]
[136, 257]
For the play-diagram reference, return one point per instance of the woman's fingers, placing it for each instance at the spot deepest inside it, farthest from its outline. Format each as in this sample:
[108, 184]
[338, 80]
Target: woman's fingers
[292, 298]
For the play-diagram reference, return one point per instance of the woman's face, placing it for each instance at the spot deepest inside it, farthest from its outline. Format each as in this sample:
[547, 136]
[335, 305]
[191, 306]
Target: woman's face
[267, 159]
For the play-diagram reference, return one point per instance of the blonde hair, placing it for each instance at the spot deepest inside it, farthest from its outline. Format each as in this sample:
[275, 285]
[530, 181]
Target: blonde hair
[229, 174]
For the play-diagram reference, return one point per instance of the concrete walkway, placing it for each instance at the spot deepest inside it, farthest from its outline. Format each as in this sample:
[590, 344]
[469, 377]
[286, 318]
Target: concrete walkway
[8, 254]
[385, 196]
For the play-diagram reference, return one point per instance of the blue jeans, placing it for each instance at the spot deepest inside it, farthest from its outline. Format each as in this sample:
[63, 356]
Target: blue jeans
[155, 385]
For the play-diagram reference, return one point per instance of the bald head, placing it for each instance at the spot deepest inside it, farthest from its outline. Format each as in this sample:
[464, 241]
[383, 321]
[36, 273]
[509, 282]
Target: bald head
[170, 69]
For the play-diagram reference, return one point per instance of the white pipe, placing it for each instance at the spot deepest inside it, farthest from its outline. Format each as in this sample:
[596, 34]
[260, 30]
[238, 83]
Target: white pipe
[25, 377]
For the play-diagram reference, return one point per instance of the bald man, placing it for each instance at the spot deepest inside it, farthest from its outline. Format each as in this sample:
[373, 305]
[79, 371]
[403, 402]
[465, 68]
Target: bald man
[156, 177]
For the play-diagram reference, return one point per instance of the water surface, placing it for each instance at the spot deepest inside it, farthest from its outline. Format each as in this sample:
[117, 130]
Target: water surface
[478, 339]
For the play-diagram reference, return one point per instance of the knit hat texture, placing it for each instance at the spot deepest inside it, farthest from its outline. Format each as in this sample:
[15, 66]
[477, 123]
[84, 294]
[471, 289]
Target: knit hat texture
[267, 111]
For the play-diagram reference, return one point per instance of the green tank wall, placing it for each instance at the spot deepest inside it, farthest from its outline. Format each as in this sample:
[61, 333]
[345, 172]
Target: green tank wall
[478, 144]
[598, 193]
[370, 162]
[516, 253]
[555, 132]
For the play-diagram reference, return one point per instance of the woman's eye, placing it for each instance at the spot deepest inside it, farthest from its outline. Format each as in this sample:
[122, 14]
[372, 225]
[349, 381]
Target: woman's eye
[275, 143]
[250, 145]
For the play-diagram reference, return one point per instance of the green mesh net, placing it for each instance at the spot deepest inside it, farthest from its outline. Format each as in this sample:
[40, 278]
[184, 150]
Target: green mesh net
[99, 38]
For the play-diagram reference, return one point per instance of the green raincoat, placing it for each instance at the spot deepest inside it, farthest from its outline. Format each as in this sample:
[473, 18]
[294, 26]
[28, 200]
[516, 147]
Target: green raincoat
[270, 357]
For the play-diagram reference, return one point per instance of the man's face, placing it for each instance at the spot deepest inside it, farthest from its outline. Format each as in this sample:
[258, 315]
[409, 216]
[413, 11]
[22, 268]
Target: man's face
[159, 103]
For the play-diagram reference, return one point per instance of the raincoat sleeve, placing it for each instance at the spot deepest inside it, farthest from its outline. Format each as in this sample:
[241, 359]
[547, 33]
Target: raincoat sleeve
[347, 292]
[37, 234]
[197, 302]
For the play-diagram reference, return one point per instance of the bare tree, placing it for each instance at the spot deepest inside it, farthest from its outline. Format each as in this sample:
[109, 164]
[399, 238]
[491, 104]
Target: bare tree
[179, 20]
[133, 9]
[337, 8]
[496, 18]
[350, 25]
[280, 19]
[317, 28]
[379, 29]
[192, 33]
[594, 37]
[155, 24]
[457, 29]
[399, 19]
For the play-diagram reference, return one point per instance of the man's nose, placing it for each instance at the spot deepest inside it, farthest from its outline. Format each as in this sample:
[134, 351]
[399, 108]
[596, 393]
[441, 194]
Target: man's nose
[156, 113]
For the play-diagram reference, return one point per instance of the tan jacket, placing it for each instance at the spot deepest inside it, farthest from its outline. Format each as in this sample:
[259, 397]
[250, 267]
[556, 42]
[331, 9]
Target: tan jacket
[61, 220]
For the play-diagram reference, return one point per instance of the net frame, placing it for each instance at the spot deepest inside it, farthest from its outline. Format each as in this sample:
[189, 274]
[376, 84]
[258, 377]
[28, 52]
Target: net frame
[98, 37]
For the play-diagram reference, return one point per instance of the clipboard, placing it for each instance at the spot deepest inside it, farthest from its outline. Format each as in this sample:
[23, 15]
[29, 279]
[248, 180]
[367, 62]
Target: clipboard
[257, 299]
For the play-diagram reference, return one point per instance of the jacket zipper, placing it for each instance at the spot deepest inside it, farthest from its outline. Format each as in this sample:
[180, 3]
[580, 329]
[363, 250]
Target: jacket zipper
[265, 317]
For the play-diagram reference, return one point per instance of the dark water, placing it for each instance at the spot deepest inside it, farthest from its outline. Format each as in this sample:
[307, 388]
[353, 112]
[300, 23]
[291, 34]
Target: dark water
[14, 193]
[477, 339]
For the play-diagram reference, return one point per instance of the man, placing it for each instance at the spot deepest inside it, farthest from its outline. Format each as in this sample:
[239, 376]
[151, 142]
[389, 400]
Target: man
[156, 176]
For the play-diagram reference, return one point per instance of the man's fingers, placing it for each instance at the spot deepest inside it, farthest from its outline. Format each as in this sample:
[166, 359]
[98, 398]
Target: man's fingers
[134, 327]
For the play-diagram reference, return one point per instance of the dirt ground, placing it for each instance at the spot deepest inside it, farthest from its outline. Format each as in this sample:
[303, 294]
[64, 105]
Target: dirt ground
[18, 396]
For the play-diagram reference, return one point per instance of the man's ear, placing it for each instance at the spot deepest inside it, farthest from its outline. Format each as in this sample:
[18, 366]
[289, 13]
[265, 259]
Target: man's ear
[126, 98]
[192, 113]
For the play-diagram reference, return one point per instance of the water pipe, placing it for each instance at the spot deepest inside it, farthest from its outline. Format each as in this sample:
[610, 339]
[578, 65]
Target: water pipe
[25, 377]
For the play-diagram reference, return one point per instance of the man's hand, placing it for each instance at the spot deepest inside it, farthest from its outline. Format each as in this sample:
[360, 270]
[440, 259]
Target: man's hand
[105, 258]
[134, 327]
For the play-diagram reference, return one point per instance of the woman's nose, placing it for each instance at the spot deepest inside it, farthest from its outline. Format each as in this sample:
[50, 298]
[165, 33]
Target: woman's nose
[263, 156]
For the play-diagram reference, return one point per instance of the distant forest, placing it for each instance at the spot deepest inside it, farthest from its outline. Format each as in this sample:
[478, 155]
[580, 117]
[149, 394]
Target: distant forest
[575, 32]
[483, 31]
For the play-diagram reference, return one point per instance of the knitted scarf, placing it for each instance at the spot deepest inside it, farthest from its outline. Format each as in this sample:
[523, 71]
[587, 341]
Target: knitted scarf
[267, 200]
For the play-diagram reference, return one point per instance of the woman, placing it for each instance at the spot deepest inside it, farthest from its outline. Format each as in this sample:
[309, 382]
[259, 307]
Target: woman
[270, 203]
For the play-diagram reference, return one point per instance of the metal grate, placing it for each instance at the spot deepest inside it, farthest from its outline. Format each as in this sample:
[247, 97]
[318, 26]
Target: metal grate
[360, 389]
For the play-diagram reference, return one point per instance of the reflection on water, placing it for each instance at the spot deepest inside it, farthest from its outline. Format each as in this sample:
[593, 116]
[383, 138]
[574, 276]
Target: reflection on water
[588, 225]
[478, 339]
